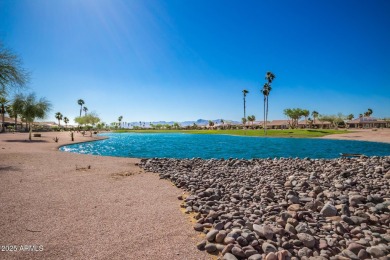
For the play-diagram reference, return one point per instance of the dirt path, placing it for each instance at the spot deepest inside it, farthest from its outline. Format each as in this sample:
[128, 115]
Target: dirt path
[74, 206]
[378, 135]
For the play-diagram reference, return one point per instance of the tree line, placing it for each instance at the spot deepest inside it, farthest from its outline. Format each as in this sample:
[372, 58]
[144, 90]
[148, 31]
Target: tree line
[13, 80]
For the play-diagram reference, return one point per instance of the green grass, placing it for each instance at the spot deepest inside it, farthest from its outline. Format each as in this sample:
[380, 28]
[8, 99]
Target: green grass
[301, 133]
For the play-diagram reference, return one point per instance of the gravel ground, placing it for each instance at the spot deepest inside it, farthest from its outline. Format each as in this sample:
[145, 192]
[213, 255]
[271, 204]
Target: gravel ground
[57, 207]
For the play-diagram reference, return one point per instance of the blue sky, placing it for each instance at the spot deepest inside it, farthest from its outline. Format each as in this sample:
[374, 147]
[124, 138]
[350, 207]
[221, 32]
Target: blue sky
[182, 60]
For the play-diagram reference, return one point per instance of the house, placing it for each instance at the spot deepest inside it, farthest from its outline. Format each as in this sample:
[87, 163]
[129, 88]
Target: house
[367, 122]
[278, 124]
[10, 122]
[315, 124]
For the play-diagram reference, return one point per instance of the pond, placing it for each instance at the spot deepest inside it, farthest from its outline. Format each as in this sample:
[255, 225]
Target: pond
[178, 145]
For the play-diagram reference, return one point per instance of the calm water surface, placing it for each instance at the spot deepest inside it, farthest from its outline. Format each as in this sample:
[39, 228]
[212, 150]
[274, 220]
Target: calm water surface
[177, 145]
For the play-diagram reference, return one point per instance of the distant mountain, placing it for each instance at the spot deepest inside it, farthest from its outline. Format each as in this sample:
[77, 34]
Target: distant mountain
[199, 122]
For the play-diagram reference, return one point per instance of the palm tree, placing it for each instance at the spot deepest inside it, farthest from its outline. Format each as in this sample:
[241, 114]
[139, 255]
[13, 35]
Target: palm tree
[269, 76]
[251, 119]
[66, 121]
[245, 92]
[58, 116]
[243, 121]
[81, 103]
[315, 115]
[120, 120]
[350, 117]
[17, 106]
[33, 108]
[306, 114]
[85, 111]
[369, 112]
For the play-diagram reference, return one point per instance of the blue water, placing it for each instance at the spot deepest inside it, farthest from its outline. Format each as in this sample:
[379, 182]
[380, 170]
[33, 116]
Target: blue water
[222, 146]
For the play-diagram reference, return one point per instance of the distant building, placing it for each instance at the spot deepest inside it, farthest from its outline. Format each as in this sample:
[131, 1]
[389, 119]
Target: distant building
[314, 124]
[10, 122]
[367, 122]
[278, 124]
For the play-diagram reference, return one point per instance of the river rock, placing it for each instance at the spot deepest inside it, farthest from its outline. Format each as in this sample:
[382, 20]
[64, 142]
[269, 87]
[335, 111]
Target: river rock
[264, 205]
[229, 256]
[329, 210]
[210, 248]
[307, 240]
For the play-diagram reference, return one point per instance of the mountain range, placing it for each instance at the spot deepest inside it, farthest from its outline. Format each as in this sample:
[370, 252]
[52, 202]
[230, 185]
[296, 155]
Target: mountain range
[199, 122]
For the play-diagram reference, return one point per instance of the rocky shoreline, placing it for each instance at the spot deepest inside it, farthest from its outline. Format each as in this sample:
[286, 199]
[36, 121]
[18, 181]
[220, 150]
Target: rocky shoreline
[286, 208]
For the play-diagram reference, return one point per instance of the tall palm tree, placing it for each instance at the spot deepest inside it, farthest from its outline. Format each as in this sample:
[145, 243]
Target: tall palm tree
[315, 115]
[85, 110]
[120, 120]
[306, 114]
[269, 76]
[33, 108]
[245, 92]
[58, 116]
[66, 121]
[81, 103]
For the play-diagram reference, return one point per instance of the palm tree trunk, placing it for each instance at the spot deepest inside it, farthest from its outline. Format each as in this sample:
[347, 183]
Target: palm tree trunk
[16, 122]
[264, 124]
[81, 109]
[30, 132]
[266, 118]
[244, 107]
[2, 118]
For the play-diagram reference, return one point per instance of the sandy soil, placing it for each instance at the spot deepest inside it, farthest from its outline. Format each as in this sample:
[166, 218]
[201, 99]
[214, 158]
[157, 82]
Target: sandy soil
[51, 200]
[114, 210]
[379, 135]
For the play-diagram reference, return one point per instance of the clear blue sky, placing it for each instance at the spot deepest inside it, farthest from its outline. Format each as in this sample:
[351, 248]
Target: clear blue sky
[184, 60]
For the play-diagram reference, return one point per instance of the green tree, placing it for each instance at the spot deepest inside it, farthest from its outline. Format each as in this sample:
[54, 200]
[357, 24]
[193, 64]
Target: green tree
[81, 103]
[369, 112]
[314, 115]
[119, 121]
[211, 123]
[251, 119]
[335, 120]
[90, 119]
[294, 114]
[17, 106]
[245, 92]
[306, 114]
[66, 121]
[269, 76]
[350, 117]
[176, 125]
[58, 116]
[12, 74]
[33, 108]
[243, 120]
[85, 110]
